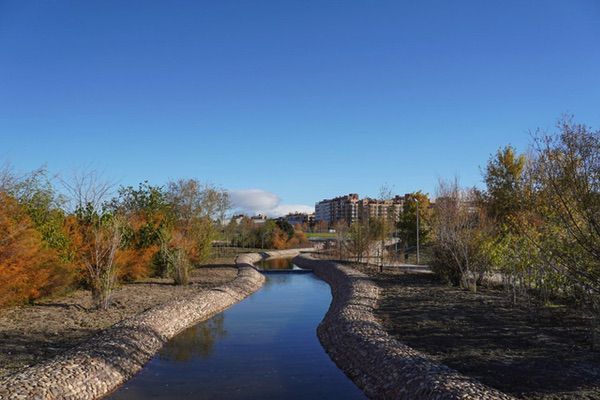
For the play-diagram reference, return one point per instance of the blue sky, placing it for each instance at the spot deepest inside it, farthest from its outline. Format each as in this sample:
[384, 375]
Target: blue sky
[300, 99]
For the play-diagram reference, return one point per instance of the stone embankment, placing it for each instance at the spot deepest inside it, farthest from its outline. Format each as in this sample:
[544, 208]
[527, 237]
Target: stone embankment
[95, 368]
[381, 366]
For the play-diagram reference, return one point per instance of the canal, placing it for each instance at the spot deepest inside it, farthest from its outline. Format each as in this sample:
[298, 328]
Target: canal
[263, 347]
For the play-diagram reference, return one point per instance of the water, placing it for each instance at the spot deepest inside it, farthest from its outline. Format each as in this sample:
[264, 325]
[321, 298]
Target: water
[262, 348]
[276, 264]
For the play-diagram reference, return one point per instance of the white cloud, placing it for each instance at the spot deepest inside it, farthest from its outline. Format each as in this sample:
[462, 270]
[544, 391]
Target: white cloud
[258, 201]
[284, 209]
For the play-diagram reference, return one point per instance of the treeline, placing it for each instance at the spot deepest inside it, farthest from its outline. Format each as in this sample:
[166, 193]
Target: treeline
[270, 234]
[51, 243]
[535, 227]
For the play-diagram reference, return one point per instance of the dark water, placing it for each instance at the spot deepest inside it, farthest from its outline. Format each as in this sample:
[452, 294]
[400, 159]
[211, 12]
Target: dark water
[277, 264]
[262, 348]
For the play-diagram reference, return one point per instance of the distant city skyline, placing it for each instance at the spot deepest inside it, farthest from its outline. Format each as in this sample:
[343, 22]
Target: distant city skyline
[288, 103]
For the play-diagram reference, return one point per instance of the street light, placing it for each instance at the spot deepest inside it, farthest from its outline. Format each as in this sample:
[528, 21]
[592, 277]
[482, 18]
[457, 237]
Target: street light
[418, 250]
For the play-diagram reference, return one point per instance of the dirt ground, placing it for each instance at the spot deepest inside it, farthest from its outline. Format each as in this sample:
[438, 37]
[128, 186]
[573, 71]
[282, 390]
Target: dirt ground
[30, 334]
[531, 353]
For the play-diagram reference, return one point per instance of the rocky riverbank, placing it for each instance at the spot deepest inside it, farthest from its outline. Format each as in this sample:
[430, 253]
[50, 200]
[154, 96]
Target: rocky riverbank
[101, 363]
[380, 365]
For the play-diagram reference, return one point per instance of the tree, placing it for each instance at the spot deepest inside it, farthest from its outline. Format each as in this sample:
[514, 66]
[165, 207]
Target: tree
[507, 188]
[341, 237]
[504, 179]
[285, 227]
[145, 212]
[194, 210]
[407, 221]
[359, 240]
[26, 264]
[567, 183]
[35, 194]
[96, 234]
[381, 226]
[298, 240]
[279, 240]
[321, 226]
[96, 237]
[460, 230]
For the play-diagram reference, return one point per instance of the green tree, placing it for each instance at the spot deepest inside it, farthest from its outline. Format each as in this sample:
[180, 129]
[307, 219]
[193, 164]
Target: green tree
[567, 181]
[407, 222]
[359, 240]
[285, 227]
[504, 178]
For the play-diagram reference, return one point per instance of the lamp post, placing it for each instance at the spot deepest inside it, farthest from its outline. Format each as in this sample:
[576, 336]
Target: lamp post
[418, 250]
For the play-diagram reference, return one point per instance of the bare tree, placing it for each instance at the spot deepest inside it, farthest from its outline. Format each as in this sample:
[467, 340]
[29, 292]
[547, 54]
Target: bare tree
[98, 233]
[87, 189]
[359, 240]
[7, 177]
[385, 222]
[459, 228]
[341, 233]
[99, 259]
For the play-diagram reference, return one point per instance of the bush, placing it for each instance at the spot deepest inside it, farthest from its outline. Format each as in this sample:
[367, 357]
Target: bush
[28, 268]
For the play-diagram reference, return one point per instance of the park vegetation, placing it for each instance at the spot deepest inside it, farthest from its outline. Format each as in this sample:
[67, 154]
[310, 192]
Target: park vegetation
[51, 242]
[268, 234]
[535, 227]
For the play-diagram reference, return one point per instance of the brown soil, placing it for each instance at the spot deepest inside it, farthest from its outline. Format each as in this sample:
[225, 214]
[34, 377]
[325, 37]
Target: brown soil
[531, 352]
[30, 334]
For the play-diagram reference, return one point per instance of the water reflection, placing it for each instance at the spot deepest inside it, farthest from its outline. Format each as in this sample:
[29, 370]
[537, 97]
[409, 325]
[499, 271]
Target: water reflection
[262, 348]
[198, 341]
[277, 264]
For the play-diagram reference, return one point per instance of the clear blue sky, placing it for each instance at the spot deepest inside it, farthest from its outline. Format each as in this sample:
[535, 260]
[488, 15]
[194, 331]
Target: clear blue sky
[304, 99]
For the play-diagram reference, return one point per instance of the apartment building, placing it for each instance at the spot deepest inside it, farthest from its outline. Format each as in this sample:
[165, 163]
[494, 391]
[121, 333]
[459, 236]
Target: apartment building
[373, 208]
[341, 208]
[300, 218]
[350, 208]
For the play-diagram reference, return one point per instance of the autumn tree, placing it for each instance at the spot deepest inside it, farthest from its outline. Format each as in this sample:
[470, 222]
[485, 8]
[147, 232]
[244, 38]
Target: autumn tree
[508, 186]
[341, 238]
[285, 227]
[381, 226]
[504, 177]
[567, 183]
[146, 212]
[460, 231]
[187, 239]
[321, 226]
[96, 234]
[26, 263]
[359, 240]
[299, 239]
[34, 194]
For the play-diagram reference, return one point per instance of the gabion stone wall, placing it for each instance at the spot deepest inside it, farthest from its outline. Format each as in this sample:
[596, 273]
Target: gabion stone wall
[95, 368]
[381, 366]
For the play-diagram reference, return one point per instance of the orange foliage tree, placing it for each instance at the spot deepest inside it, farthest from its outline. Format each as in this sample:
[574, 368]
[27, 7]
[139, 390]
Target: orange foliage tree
[145, 212]
[26, 264]
[96, 240]
[279, 239]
